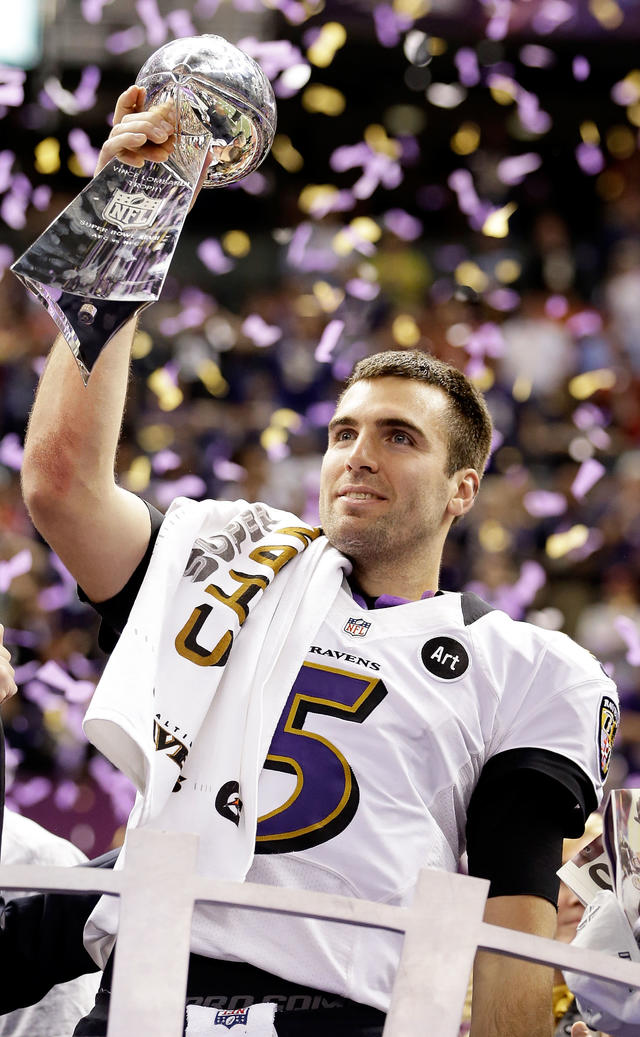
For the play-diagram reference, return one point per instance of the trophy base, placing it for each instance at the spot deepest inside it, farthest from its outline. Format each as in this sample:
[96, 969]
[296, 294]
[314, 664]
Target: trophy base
[86, 324]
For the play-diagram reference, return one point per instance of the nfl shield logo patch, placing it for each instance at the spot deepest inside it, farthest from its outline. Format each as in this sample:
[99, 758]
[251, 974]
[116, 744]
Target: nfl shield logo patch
[356, 627]
[230, 1016]
[609, 720]
[131, 211]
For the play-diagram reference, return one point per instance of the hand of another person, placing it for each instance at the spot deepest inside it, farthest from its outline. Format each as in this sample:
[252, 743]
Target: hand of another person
[8, 686]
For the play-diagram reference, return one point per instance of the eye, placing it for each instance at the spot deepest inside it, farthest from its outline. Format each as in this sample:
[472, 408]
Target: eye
[401, 438]
[343, 435]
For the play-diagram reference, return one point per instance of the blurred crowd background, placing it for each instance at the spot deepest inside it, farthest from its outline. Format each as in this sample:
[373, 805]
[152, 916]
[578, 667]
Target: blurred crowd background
[459, 176]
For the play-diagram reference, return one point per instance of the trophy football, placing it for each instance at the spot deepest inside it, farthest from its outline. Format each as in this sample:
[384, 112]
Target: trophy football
[107, 255]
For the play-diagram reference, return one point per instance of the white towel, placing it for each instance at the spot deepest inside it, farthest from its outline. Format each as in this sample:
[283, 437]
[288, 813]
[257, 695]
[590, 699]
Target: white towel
[256, 1021]
[184, 729]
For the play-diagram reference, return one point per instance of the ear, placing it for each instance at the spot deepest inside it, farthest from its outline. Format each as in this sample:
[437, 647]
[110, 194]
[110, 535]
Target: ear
[467, 483]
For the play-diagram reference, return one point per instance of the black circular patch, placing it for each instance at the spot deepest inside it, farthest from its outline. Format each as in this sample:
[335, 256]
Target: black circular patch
[445, 658]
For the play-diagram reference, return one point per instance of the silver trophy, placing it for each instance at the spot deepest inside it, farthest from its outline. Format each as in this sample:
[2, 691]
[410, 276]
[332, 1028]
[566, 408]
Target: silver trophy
[107, 255]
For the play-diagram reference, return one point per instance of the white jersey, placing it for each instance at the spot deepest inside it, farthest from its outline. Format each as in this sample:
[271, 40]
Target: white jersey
[433, 689]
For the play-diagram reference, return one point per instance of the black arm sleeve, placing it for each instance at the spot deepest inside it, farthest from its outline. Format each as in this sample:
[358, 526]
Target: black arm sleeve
[41, 942]
[115, 611]
[525, 803]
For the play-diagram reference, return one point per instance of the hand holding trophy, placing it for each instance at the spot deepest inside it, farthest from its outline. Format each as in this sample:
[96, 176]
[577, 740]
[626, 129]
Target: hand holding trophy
[208, 119]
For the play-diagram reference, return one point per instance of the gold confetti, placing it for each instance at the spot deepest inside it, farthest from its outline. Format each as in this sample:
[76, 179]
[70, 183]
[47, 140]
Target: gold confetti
[325, 100]
[522, 387]
[273, 436]
[366, 228]
[559, 544]
[437, 46]
[493, 536]
[483, 379]
[286, 418]
[469, 274]
[610, 185]
[496, 224]
[584, 385]
[607, 12]
[169, 395]
[315, 197]
[153, 438]
[139, 474]
[47, 154]
[328, 296]
[284, 152]
[405, 330]
[322, 51]
[236, 243]
[376, 137]
[621, 142]
[412, 8]
[142, 345]
[75, 167]
[589, 132]
[211, 377]
[467, 139]
[508, 270]
[502, 90]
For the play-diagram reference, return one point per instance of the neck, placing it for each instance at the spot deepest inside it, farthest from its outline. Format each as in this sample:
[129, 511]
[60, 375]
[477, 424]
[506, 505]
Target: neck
[388, 578]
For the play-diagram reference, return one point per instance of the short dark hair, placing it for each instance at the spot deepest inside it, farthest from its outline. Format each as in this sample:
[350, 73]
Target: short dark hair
[469, 422]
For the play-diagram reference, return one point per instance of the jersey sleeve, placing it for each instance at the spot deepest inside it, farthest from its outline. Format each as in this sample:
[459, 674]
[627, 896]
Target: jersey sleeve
[115, 611]
[558, 715]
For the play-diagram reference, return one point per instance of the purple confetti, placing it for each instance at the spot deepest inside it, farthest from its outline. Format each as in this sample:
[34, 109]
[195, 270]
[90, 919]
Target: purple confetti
[630, 634]
[180, 23]
[41, 197]
[92, 10]
[389, 26]
[164, 461]
[581, 68]
[206, 8]
[16, 566]
[74, 690]
[404, 226]
[11, 451]
[186, 486]
[84, 151]
[551, 14]
[328, 341]
[590, 158]
[535, 56]
[589, 473]
[544, 503]
[12, 86]
[498, 23]
[360, 288]
[556, 307]
[513, 170]
[586, 322]
[320, 414]
[466, 61]
[624, 93]
[228, 471]
[211, 255]
[260, 333]
[65, 795]
[503, 299]
[128, 39]
[153, 21]
[30, 792]
[587, 416]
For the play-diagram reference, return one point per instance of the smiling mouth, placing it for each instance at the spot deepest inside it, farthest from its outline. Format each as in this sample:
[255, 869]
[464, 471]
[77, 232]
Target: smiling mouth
[356, 496]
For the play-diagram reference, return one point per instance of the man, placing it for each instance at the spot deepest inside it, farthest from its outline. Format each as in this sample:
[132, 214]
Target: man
[395, 722]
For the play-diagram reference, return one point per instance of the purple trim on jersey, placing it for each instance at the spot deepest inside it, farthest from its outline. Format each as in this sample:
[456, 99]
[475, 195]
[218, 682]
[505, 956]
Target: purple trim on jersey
[386, 601]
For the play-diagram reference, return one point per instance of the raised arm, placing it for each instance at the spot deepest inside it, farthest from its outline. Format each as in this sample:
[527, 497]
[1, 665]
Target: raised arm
[98, 529]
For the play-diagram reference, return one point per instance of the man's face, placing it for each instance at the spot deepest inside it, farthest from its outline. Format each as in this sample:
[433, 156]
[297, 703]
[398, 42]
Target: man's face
[384, 490]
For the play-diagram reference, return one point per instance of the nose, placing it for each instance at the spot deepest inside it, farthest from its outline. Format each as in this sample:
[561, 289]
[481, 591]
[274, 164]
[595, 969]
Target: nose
[362, 454]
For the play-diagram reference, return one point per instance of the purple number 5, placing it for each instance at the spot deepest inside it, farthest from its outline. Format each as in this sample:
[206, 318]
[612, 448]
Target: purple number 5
[326, 795]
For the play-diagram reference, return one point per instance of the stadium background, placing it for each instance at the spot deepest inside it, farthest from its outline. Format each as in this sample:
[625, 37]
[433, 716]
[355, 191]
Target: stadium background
[460, 177]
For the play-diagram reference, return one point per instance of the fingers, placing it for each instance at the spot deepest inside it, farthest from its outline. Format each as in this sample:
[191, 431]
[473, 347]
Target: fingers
[139, 136]
[8, 686]
[580, 1030]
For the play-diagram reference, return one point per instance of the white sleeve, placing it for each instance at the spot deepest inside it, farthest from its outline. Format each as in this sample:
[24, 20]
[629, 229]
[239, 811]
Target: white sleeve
[555, 696]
